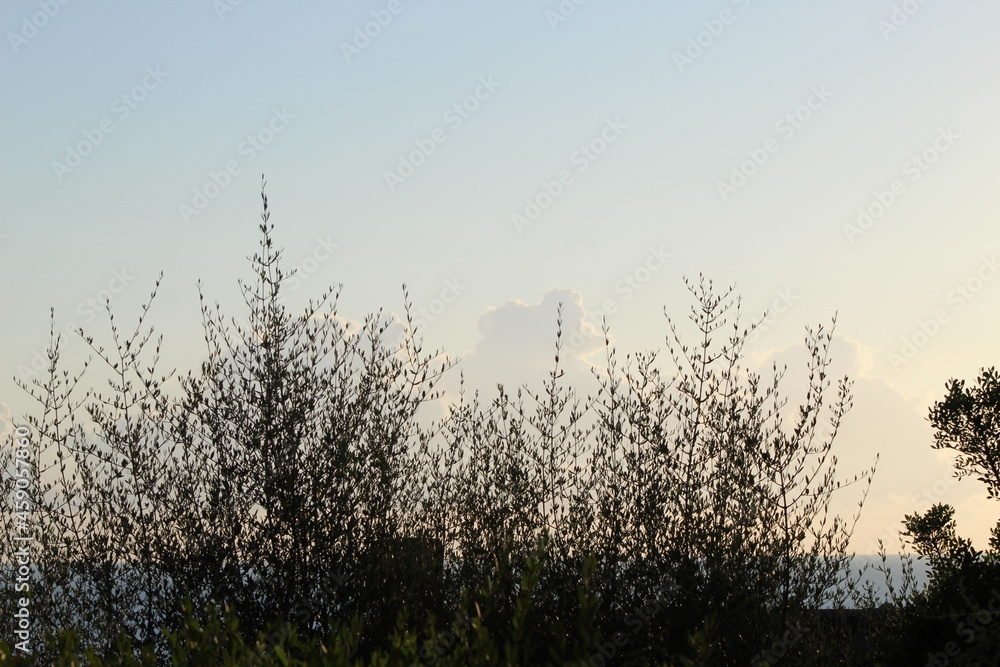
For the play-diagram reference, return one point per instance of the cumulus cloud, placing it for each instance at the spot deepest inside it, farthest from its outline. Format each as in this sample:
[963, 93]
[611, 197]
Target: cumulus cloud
[517, 343]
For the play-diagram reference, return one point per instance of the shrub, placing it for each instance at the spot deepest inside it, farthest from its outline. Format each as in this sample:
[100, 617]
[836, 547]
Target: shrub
[290, 482]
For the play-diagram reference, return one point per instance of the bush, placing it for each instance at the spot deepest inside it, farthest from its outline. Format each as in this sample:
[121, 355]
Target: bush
[290, 482]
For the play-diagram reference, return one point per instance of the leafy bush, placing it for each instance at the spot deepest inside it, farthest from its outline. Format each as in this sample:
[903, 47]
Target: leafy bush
[290, 482]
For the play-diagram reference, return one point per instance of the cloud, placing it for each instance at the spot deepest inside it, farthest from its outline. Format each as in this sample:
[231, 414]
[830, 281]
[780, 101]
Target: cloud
[847, 357]
[517, 343]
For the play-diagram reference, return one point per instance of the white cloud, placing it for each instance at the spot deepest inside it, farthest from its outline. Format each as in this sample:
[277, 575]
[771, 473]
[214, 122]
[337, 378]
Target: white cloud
[517, 343]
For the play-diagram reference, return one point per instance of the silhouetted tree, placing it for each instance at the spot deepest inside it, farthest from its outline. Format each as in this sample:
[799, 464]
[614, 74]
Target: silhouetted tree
[955, 620]
[968, 422]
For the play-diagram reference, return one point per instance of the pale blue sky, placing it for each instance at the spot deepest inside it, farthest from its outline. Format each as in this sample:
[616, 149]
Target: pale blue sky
[891, 95]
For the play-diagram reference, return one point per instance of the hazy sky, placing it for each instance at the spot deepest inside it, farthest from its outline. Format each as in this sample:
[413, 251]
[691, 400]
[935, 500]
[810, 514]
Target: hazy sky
[501, 157]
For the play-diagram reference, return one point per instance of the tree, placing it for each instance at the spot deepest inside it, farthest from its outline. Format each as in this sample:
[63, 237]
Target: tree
[964, 582]
[968, 422]
[717, 492]
[274, 481]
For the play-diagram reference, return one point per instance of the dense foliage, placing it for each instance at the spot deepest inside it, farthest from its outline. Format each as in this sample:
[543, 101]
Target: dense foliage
[286, 503]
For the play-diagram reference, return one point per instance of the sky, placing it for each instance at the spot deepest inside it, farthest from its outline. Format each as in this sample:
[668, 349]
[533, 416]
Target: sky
[500, 158]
